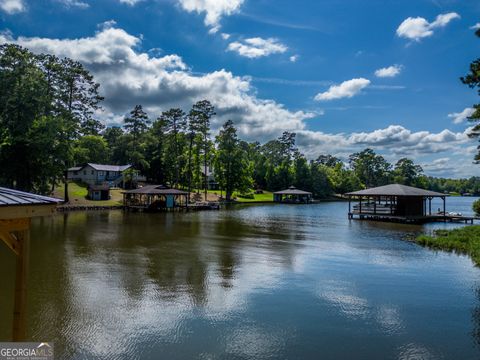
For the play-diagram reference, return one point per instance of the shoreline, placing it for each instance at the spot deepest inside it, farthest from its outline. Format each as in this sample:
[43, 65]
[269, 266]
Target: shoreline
[92, 207]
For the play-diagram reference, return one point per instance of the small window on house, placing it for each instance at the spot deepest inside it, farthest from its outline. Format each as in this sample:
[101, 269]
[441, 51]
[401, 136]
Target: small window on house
[101, 173]
[93, 172]
[84, 172]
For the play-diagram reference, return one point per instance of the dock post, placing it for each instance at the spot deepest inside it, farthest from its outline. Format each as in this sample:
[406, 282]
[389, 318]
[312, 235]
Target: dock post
[19, 332]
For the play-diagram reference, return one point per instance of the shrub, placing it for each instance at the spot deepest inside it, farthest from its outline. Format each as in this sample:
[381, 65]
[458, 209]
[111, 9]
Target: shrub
[476, 207]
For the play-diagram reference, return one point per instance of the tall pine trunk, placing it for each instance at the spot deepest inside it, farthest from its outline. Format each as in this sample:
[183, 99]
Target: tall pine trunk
[205, 166]
[190, 168]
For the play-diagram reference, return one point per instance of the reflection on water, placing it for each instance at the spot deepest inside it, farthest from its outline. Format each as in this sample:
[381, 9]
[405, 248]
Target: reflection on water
[273, 281]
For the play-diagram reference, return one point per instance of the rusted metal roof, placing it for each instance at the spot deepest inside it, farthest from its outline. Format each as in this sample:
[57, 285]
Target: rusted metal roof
[292, 190]
[156, 190]
[396, 190]
[9, 197]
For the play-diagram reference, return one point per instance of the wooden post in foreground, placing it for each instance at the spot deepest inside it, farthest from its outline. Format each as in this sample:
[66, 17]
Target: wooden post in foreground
[15, 233]
[19, 332]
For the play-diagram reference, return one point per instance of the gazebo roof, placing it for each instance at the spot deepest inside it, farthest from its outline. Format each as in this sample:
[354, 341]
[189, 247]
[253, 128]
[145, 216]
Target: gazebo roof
[292, 190]
[156, 190]
[9, 197]
[396, 190]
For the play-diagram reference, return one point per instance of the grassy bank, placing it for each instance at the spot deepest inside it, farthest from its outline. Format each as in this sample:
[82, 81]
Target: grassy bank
[78, 196]
[465, 240]
[264, 197]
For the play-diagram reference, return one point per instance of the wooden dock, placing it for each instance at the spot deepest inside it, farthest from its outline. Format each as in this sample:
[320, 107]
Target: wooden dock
[412, 219]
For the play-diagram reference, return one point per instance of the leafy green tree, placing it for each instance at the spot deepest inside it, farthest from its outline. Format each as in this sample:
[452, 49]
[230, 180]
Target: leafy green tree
[476, 207]
[327, 160]
[78, 97]
[155, 148]
[233, 171]
[343, 180]
[472, 80]
[320, 184]
[372, 169]
[406, 172]
[91, 148]
[22, 101]
[200, 116]
[136, 125]
[302, 171]
[175, 124]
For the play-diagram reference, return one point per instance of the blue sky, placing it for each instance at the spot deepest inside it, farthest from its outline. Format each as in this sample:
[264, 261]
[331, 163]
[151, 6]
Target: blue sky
[344, 75]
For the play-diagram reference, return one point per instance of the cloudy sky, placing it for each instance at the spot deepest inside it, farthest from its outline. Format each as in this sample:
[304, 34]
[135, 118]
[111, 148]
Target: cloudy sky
[343, 75]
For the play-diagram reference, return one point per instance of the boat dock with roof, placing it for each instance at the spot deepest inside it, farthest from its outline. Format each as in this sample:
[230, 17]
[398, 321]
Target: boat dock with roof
[400, 203]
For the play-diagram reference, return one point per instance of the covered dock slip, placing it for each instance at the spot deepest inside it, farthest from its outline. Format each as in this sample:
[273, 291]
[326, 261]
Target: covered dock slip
[399, 203]
[292, 195]
[155, 198]
[16, 210]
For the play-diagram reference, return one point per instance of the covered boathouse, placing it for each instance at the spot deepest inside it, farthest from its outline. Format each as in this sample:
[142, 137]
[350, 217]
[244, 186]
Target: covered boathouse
[16, 210]
[155, 198]
[396, 202]
[292, 195]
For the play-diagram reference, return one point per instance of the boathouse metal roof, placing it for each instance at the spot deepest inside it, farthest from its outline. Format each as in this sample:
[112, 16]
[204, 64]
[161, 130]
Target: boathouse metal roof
[156, 190]
[396, 190]
[9, 197]
[292, 190]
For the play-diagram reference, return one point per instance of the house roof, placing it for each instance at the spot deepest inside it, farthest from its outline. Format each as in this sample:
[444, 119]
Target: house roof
[9, 197]
[75, 168]
[101, 167]
[395, 190]
[292, 190]
[156, 190]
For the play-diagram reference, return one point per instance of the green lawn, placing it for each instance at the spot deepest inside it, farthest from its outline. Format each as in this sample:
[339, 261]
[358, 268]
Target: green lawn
[265, 197]
[465, 240]
[78, 192]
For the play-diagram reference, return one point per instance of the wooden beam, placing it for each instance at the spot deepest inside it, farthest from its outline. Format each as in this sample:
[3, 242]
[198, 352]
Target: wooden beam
[15, 224]
[26, 211]
[20, 303]
[11, 241]
[8, 228]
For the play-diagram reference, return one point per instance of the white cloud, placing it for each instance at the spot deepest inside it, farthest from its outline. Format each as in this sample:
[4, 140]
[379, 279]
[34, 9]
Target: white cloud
[461, 116]
[294, 58]
[214, 9]
[12, 6]
[129, 77]
[475, 27]
[390, 71]
[257, 47]
[75, 3]
[395, 140]
[225, 36]
[418, 27]
[130, 2]
[346, 89]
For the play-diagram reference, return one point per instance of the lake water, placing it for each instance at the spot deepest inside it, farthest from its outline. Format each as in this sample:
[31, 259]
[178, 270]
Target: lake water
[250, 282]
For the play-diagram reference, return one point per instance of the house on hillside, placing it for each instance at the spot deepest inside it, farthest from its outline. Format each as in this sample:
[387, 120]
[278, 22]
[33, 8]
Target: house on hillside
[98, 174]
[212, 183]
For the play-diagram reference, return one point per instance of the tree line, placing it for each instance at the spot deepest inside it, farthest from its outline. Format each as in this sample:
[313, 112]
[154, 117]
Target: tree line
[47, 124]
